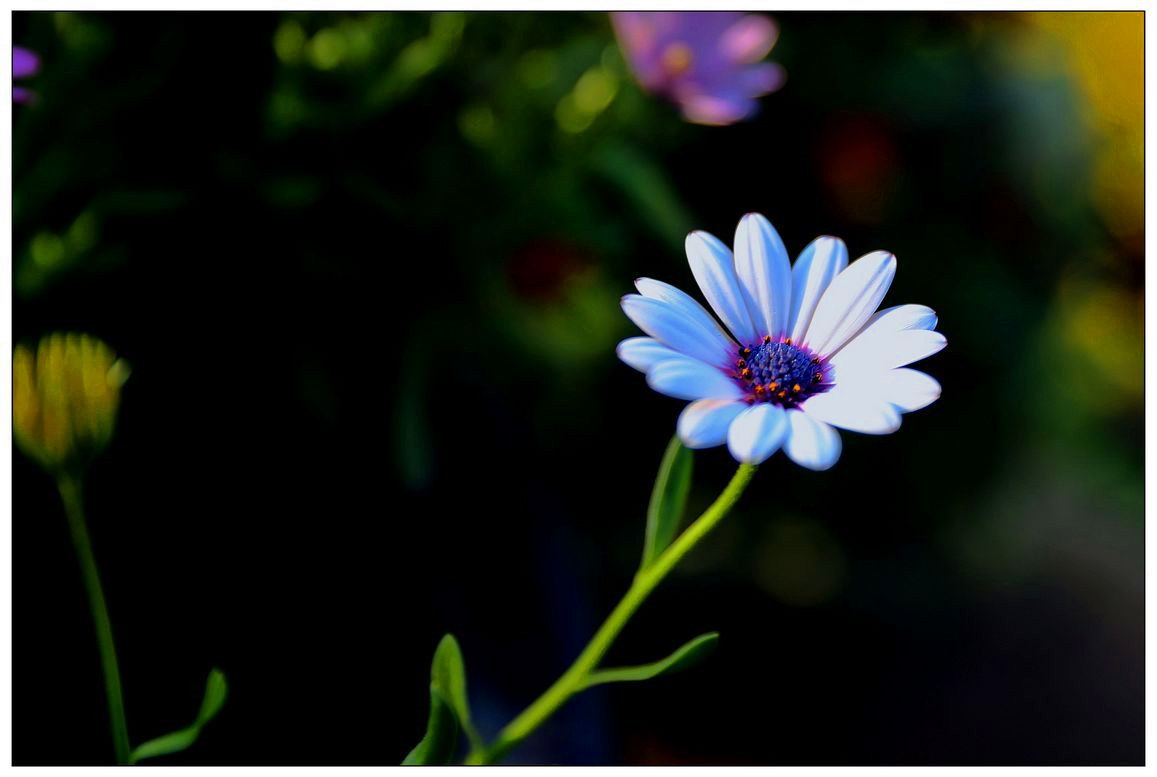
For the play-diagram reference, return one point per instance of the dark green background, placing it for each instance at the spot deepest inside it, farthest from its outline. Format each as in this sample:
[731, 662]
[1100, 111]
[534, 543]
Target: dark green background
[369, 289]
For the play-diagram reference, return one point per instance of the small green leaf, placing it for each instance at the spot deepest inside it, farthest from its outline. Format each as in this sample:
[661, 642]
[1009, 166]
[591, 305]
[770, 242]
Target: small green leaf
[448, 675]
[689, 654]
[440, 744]
[668, 499]
[449, 708]
[215, 691]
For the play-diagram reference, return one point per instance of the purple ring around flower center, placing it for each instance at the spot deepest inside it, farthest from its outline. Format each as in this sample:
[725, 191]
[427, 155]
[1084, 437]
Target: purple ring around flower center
[779, 372]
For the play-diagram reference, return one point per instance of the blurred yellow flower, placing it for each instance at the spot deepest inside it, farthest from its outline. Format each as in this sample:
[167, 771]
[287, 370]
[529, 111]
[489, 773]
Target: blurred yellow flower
[65, 398]
[1106, 52]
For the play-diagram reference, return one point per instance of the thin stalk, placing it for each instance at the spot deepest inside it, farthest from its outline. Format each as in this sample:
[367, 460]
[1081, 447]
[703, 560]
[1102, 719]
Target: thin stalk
[70, 494]
[573, 680]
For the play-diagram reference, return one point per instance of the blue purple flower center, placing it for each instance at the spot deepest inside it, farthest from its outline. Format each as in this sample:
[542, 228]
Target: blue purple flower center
[779, 372]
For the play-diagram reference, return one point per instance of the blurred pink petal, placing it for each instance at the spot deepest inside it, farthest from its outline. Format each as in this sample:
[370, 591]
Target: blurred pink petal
[749, 40]
[639, 40]
[716, 111]
[24, 62]
[763, 78]
[707, 62]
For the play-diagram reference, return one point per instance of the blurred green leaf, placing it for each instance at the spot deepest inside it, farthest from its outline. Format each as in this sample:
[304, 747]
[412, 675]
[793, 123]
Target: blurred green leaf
[411, 428]
[215, 691]
[686, 656]
[448, 676]
[441, 740]
[449, 708]
[646, 187]
[668, 499]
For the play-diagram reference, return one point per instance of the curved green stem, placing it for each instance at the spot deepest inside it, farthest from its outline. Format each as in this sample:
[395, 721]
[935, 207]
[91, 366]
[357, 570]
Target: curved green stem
[572, 681]
[69, 487]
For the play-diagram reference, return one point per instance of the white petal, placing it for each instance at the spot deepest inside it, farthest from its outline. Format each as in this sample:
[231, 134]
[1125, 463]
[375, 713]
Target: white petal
[849, 301]
[704, 423]
[907, 389]
[887, 322]
[673, 326]
[813, 272]
[883, 351]
[811, 443]
[854, 409]
[686, 378]
[649, 287]
[756, 433]
[714, 270]
[765, 272]
[901, 317]
[643, 353]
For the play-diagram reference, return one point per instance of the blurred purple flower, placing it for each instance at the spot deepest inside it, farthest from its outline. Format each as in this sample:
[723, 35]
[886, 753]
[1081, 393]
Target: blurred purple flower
[25, 63]
[708, 62]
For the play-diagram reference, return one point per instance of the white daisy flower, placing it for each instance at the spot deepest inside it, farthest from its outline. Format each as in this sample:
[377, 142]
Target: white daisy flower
[804, 349]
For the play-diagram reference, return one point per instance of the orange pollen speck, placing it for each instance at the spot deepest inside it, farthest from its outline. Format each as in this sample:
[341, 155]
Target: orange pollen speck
[773, 385]
[782, 394]
[795, 387]
[745, 374]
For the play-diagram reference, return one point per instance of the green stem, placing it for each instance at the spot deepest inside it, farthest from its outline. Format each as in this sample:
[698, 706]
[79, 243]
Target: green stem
[74, 507]
[572, 681]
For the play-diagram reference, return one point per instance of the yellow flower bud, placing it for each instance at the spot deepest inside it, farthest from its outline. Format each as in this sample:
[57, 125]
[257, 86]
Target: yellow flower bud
[64, 399]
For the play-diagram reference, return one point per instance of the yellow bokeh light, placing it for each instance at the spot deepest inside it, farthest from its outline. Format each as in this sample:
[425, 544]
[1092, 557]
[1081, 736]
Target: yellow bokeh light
[1106, 59]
